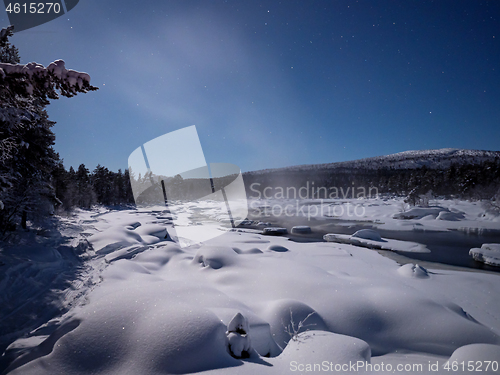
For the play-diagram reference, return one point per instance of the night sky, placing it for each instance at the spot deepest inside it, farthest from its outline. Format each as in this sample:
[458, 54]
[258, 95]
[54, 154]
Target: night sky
[275, 83]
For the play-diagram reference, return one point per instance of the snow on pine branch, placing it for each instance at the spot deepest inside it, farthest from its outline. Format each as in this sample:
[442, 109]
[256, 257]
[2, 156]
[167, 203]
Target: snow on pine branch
[46, 81]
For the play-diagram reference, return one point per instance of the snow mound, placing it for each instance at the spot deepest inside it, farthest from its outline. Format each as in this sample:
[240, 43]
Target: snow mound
[246, 222]
[416, 322]
[136, 331]
[114, 238]
[450, 216]
[215, 257]
[274, 231]
[378, 244]
[492, 247]
[288, 317]
[417, 213]
[154, 230]
[312, 348]
[413, 271]
[489, 253]
[122, 268]
[129, 234]
[301, 229]
[368, 234]
[125, 253]
[476, 355]
[132, 224]
[263, 224]
[155, 260]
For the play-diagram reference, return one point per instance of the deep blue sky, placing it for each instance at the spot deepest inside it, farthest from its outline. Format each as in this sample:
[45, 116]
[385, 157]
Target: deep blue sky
[275, 83]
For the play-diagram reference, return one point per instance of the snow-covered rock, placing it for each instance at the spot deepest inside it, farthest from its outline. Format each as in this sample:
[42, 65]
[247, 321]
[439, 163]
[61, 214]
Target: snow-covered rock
[263, 224]
[301, 229]
[246, 222]
[238, 324]
[238, 339]
[489, 253]
[368, 234]
[450, 216]
[430, 213]
[417, 213]
[274, 231]
[238, 345]
[413, 271]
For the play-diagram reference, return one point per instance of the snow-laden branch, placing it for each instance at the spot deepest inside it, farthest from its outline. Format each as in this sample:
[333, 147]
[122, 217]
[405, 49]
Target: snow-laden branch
[48, 79]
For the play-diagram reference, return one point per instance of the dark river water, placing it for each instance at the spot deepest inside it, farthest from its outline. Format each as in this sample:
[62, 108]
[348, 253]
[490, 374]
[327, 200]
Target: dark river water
[447, 248]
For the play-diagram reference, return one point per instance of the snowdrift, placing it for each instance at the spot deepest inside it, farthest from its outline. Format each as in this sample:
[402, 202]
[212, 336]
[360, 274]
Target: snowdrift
[160, 309]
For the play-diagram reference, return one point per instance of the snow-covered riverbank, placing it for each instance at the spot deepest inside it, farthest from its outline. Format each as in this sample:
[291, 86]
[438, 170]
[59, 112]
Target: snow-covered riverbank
[148, 306]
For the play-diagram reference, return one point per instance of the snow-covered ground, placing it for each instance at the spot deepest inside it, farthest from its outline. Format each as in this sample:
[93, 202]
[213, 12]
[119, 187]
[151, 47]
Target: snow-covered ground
[135, 302]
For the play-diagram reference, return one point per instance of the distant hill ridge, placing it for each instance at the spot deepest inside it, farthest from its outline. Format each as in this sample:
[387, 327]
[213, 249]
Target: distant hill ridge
[432, 159]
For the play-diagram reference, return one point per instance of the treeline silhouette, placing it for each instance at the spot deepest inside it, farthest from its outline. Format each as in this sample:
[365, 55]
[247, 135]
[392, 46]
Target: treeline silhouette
[464, 181]
[82, 188]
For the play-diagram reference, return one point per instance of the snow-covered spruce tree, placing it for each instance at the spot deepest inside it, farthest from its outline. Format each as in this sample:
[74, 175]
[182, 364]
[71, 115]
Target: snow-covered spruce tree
[26, 139]
[8, 52]
[60, 181]
[103, 184]
[122, 191]
[86, 197]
